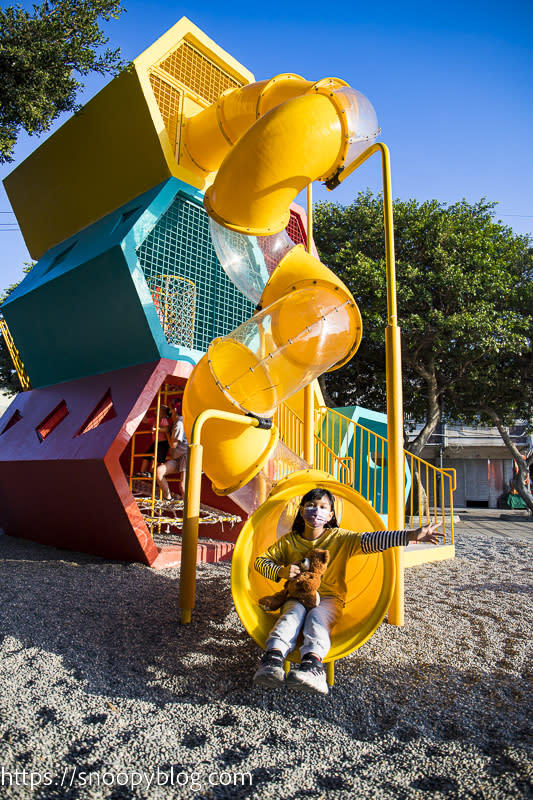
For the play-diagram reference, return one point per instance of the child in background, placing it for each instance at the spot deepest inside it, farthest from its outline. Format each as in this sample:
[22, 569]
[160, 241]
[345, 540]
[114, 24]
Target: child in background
[177, 454]
[161, 437]
[315, 525]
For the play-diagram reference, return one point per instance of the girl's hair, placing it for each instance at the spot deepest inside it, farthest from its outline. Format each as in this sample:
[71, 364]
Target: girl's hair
[298, 526]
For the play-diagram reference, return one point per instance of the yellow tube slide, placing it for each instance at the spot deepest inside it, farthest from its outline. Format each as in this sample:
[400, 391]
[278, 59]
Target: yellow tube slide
[277, 136]
[299, 141]
[233, 454]
[298, 270]
[370, 578]
[307, 323]
[210, 134]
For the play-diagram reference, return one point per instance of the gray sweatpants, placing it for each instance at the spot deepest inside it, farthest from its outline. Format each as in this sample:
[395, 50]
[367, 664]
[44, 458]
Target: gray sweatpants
[315, 625]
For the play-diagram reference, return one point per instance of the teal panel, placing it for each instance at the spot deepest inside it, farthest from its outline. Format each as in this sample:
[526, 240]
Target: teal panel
[95, 240]
[87, 320]
[140, 284]
[369, 453]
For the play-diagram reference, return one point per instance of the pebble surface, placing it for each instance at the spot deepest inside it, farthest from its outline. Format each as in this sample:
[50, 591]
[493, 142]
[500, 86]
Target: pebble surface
[105, 695]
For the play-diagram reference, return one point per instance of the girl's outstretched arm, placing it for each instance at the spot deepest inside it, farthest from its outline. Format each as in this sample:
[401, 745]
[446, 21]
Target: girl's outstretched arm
[377, 541]
[424, 534]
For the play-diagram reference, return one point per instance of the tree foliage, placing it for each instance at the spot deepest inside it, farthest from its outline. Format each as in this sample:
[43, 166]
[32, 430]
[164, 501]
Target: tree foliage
[41, 52]
[465, 306]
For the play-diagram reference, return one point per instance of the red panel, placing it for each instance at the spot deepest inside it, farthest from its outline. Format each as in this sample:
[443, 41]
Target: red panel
[297, 228]
[74, 505]
[16, 417]
[70, 491]
[206, 552]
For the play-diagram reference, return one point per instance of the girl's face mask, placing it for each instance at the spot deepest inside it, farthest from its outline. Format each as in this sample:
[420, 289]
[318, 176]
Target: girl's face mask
[315, 516]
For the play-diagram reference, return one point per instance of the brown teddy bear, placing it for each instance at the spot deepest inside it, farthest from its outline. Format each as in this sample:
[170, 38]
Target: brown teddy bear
[304, 587]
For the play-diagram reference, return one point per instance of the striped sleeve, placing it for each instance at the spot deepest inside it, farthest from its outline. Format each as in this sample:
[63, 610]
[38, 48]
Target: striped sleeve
[376, 541]
[268, 568]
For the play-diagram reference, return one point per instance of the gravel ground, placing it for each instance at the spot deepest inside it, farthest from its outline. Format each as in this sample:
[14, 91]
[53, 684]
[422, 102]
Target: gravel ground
[105, 695]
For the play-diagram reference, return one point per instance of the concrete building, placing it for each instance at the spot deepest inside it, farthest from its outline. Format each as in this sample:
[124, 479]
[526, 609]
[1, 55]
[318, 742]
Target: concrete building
[480, 458]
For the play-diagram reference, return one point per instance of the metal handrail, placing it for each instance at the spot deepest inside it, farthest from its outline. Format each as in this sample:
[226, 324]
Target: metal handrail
[438, 481]
[362, 471]
[291, 433]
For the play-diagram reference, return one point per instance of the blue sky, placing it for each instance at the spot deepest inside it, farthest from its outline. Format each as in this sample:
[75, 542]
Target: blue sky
[451, 84]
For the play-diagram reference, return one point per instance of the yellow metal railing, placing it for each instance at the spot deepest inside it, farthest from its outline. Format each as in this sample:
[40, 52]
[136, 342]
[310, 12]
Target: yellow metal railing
[432, 488]
[358, 457]
[431, 494]
[292, 434]
[156, 511]
[291, 429]
[15, 356]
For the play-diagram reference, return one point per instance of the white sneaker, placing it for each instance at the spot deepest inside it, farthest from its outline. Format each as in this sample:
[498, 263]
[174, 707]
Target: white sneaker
[270, 672]
[309, 676]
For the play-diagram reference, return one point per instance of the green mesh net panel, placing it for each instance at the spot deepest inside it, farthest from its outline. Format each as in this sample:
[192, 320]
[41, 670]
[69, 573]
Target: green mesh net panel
[193, 297]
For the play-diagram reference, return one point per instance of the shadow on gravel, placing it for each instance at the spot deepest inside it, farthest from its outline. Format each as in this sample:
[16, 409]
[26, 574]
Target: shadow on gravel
[115, 628]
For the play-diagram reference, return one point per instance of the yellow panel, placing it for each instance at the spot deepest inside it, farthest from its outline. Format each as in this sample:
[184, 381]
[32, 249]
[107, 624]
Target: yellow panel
[123, 142]
[199, 73]
[104, 156]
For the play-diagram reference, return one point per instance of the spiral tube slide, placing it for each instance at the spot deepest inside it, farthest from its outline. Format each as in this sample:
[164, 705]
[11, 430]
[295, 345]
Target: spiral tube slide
[210, 134]
[370, 578]
[314, 134]
[267, 141]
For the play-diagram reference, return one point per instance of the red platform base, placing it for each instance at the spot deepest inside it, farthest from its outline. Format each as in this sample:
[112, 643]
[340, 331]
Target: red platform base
[61, 480]
[206, 553]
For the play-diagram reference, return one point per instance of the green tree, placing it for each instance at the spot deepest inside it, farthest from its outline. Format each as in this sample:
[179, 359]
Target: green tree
[499, 388]
[465, 306]
[41, 52]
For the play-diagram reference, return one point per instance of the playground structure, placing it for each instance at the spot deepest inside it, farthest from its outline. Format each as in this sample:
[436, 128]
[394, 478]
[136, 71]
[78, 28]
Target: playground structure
[127, 307]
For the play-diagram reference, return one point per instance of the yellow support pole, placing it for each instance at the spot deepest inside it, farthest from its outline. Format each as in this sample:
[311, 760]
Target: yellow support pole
[309, 392]
[191, 509]
[393, 359]
[309, 431]
[191, 518]
[396, 510]
[154, 471]
[309, 216]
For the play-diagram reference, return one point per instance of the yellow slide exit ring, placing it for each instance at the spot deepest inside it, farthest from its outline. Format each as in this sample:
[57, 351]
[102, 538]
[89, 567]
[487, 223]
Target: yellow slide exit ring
[370, 578]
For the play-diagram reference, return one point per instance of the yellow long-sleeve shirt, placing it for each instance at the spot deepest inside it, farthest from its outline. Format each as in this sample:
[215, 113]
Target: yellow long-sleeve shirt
[341, 544]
